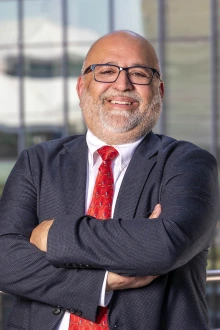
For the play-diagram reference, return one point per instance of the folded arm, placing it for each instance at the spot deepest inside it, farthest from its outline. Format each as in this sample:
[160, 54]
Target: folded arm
[139, 246]
[24, 269]
[114, 281]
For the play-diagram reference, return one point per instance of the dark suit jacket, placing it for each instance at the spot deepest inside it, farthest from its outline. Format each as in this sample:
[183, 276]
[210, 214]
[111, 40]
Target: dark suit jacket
[48, 181]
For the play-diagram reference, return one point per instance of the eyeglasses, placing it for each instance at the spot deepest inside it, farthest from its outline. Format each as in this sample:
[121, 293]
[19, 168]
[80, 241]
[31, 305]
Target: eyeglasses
[109, 73]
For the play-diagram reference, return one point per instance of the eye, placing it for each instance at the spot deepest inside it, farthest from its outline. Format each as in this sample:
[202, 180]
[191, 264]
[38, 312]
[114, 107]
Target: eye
[141, 73]
[138, 74]
[107, 72]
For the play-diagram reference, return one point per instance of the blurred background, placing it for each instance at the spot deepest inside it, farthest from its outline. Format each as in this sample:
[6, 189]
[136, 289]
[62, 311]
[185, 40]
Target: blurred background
[42, 47]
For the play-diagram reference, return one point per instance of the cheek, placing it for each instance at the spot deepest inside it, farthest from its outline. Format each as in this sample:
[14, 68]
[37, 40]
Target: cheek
[147, 95]
[96, 89]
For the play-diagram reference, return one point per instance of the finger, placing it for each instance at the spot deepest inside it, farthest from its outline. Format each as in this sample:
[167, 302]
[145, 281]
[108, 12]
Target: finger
[156, 212]
[40, 233]
[118, 282]
[143, 281]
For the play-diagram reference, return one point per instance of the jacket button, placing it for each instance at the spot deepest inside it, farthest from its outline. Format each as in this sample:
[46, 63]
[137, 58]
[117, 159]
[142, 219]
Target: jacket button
[72, 311]
[78, 313]
[56, 310]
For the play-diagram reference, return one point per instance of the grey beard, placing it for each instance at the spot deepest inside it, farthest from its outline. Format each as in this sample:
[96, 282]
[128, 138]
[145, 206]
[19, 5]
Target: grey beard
[104, 122]
[120, 121]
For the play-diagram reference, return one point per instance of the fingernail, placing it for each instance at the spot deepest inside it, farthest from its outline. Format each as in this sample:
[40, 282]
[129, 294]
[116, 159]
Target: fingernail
[156, 208]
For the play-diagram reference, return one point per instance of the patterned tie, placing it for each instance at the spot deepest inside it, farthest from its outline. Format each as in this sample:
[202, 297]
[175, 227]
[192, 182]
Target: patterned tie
[100, 207]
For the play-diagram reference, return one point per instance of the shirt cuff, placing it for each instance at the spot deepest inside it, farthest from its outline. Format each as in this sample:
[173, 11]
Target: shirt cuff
[105, 297]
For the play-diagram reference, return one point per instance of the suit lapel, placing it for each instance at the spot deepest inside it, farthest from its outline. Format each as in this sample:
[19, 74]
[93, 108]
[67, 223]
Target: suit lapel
[73, 172]
[72, 176]
[136, 175]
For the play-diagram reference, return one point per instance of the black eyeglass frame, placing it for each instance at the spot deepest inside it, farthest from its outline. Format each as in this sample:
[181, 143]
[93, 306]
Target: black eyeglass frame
[92, 67]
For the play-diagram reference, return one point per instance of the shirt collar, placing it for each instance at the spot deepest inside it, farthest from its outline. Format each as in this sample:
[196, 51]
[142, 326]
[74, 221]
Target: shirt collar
[125, 151]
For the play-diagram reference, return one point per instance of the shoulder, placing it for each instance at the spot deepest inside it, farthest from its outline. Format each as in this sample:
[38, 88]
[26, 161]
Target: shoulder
[184, 156]
[53, 148]
[173, 148]
[48, 152]
[56, 145]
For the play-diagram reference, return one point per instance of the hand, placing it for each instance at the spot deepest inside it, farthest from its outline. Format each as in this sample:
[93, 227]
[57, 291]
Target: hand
[40, 233]
[156, 212]
[118, 282]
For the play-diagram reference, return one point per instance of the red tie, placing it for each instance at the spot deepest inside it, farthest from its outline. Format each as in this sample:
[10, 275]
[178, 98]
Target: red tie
[100, 207]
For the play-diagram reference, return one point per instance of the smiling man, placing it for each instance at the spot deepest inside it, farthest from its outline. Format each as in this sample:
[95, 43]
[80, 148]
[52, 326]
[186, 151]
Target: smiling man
[110, 230]
[123, 92]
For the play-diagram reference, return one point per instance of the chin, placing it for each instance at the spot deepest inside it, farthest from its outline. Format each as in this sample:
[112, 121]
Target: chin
[116, 128]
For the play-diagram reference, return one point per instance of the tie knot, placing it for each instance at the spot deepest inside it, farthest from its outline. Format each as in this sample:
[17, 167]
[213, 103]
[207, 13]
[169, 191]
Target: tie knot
[107, 153]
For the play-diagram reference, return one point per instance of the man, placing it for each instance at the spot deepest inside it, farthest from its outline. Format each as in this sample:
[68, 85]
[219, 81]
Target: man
[61, 259]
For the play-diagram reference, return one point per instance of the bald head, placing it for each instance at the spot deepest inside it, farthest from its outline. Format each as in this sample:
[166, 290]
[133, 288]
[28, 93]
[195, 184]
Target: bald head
[120, 39]
[120, 111]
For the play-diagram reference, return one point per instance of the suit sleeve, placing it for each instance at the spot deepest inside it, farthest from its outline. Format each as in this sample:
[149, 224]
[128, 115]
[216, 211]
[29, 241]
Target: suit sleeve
[141, 246]
[24, 269]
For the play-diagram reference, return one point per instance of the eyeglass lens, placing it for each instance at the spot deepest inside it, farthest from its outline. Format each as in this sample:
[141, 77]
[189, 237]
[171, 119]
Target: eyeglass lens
[136, 75]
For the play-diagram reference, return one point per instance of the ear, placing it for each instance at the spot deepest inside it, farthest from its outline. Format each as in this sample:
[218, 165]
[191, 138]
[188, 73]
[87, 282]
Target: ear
[80, 86]
[161, 88]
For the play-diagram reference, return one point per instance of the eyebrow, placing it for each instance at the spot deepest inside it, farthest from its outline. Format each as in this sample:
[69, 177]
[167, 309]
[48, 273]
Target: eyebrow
[134, 64]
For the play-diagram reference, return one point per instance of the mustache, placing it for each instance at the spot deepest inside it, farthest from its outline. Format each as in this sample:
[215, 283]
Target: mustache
[109, 94]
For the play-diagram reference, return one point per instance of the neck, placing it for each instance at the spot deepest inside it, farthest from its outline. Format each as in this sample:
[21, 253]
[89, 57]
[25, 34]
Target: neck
[111, 138]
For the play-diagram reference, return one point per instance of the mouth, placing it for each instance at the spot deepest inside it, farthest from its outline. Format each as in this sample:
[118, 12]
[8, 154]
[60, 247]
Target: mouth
[122, 101]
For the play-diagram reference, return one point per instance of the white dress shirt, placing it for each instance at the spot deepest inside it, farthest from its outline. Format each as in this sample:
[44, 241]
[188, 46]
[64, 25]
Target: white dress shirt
[119, 166]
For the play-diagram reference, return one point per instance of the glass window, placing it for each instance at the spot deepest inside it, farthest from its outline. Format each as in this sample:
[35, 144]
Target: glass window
[76, 123]
[9, 105]
[43, 92]
[42, 21]
[188, 72]
[8, 22]
[188, 21]
[43, 62]
[188, 92]
[87, 20]
[128, 16]
[149, 18]
[218, 70]
[76, 56]
[75, 62]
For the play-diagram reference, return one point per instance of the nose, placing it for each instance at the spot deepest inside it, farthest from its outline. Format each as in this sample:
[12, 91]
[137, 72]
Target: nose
[123, 83]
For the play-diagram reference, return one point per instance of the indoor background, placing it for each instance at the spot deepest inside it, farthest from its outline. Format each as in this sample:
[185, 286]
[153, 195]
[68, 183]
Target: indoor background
[42, 47]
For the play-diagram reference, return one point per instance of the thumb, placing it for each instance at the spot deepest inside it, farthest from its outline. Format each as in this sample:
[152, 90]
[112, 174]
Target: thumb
[156, 212]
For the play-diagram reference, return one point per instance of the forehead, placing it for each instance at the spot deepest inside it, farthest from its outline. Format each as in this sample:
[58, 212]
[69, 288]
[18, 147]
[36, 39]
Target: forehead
[122, 50]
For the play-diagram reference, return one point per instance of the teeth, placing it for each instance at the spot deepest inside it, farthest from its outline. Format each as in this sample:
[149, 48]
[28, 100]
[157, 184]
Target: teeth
[120, 102]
